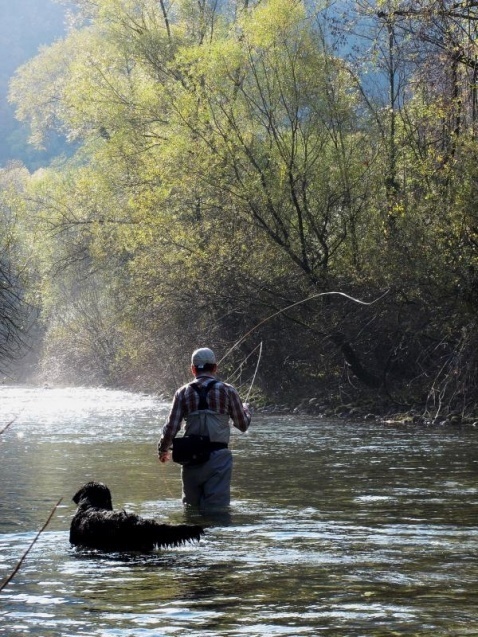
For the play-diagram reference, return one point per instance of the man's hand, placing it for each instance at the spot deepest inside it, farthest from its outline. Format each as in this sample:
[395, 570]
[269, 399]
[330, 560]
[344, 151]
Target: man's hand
[164, 456]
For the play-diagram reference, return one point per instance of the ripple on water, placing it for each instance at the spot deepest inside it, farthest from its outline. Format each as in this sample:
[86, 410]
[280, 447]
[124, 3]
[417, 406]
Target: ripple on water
[361, 535]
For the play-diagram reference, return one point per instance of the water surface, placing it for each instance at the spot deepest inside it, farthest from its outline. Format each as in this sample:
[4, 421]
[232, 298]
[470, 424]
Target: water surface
[336, 528]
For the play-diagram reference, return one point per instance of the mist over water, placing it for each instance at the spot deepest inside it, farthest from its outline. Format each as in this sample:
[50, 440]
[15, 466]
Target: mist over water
[336, 528]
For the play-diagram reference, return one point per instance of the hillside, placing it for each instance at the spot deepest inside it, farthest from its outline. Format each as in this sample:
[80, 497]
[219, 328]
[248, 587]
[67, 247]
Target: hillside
[25, 26]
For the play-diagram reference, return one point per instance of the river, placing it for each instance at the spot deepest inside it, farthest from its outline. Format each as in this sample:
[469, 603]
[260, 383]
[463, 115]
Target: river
[336, 528]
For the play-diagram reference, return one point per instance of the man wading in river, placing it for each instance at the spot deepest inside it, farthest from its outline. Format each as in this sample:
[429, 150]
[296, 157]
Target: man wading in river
[207, 405]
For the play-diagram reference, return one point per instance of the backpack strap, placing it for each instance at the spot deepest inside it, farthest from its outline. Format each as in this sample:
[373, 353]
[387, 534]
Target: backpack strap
[202, 391]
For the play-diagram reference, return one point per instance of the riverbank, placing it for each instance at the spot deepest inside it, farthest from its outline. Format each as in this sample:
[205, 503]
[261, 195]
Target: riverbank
[378, 412]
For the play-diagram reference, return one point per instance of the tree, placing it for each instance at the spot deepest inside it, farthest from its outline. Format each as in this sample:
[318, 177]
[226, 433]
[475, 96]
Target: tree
[232, 167]
[255, 129]
[15, 311]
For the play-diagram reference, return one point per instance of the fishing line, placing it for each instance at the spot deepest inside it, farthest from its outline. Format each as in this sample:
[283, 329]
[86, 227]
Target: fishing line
[231, 441]
[231, 376]
[255, 372]
[284, 309]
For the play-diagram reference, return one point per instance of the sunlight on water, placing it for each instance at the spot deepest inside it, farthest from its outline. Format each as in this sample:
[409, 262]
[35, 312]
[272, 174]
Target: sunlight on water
[338, 529]
[58, 405]
[45, 410]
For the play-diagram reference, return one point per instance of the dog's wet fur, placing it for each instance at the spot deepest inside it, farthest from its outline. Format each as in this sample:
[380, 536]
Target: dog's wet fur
[96, 525]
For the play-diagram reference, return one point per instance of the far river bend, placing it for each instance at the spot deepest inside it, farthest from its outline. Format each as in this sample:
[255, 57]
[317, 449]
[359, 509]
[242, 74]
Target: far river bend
[339, 528]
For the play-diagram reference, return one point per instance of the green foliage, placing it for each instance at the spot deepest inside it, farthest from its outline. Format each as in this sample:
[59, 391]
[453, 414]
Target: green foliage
[230, 166]
[15, 311]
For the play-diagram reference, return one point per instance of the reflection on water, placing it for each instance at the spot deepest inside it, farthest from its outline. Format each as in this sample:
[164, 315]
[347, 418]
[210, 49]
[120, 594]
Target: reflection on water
[344, 529]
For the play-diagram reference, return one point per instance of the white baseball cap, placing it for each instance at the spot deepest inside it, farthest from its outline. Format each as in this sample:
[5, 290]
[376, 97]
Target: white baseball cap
[203, 356]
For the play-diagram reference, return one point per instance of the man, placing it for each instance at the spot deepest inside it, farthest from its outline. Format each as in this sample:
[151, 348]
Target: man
[206, 485]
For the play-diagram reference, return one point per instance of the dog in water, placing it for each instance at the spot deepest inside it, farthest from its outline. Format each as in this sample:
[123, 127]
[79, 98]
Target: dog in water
[96, 525]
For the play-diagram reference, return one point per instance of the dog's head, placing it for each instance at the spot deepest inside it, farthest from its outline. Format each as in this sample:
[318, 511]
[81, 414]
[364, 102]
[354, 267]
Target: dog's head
[95, 494]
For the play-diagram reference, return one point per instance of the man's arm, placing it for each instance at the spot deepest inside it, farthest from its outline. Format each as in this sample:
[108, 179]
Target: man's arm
[172, 425]
[239, 412]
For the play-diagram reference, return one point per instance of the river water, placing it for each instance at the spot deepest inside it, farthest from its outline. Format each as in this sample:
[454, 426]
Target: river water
[336, 528]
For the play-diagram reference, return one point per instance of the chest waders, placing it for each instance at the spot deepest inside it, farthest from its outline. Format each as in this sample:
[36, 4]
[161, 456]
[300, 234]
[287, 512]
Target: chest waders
[202, 391]
[203, 428]
[208, 485]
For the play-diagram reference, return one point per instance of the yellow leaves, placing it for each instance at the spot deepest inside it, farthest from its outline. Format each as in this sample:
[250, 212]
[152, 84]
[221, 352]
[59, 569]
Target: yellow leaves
[211, 67]
[182, 142]
[397, 210]
[38, 88]
[268, 23]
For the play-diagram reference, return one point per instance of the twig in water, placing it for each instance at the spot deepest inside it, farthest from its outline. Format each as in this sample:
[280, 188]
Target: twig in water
[11, 422]
[7, 426]
[18, 566]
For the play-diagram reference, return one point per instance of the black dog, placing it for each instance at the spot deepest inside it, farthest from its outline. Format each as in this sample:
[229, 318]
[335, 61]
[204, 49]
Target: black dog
[96, 525]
